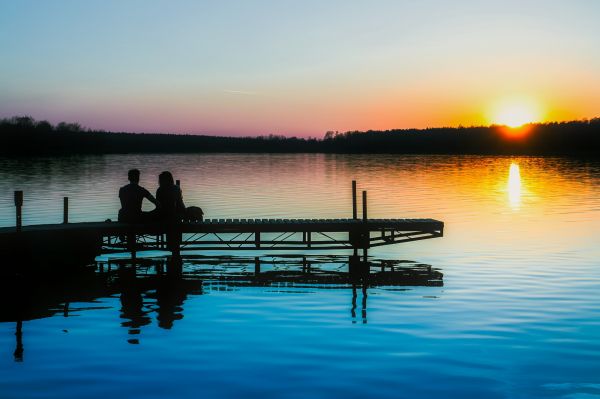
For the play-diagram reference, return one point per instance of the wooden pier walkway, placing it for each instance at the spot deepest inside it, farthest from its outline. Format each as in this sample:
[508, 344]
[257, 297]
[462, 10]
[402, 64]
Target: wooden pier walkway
[84, 241]
[222, 235]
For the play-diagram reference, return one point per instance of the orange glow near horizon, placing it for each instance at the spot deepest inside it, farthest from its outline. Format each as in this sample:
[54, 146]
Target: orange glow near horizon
[516, 132]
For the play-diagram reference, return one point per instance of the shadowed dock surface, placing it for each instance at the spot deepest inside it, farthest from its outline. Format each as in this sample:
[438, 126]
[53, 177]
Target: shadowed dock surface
[238, 225]
[84, 241]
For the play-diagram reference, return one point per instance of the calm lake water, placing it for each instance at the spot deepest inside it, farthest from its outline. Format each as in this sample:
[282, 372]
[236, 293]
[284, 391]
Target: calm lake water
[505, 305]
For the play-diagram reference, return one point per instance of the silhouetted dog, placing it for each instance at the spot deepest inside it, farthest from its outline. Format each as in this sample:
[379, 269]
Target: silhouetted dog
[193, 214]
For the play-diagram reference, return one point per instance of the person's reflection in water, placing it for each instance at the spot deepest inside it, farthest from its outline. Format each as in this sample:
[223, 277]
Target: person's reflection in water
[170, 295]
[132, 302]
[18, 354]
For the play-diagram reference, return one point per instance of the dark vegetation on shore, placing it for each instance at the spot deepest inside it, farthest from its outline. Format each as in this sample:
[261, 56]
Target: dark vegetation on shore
[24, 136]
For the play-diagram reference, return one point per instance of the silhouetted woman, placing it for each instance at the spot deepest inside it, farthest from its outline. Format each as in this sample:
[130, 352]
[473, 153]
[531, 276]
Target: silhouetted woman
[171, 208]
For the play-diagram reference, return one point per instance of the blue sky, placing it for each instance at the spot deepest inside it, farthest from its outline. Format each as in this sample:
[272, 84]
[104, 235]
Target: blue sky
[295, 67]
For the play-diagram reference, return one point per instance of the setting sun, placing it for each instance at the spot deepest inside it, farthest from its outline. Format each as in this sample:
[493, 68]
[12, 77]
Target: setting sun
[515, 113]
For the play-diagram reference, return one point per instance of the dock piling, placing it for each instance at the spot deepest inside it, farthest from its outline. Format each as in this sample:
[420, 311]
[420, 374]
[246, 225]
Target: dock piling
[366, 239]
[354, 210]
[19, 205]
[364, 204]
[256, 265]
[66, 210]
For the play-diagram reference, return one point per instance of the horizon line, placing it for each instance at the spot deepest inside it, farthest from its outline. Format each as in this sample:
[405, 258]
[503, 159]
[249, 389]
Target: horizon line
[459, 126]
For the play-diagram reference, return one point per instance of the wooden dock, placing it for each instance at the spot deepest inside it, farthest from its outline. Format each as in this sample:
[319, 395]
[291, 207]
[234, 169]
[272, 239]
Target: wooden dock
[72, 239]
[78, 242]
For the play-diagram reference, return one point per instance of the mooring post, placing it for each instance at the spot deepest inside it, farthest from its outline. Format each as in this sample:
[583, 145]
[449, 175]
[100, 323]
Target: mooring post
[131, 242]
[366, 233]
[364, 204]
[19, 205]
[175, 267]
[256, 265]
[178, 183]
[353, 264]
[66, 210]
[354, 210]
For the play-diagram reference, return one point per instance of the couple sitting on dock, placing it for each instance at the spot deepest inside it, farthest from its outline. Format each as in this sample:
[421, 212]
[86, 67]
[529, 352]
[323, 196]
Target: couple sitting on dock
[168, 201]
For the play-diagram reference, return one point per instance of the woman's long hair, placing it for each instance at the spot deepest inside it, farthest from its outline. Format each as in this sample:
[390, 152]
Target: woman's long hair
[165, 179]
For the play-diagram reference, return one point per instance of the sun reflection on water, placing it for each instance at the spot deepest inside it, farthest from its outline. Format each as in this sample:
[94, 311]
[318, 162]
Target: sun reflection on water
[514, 186]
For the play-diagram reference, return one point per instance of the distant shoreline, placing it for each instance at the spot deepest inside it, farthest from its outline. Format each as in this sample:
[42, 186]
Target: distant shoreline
[25, 137]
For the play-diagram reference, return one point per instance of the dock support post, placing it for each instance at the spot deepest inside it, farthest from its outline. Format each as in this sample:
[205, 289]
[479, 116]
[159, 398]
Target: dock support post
[66, 210]
[257, 239]
[364, 204]
[178, 183]
[256, 265]
[131, 243]
[19, 205]
[304, 264]
[306, 238]
[366, 237]
[358, 268]
[354, 210]
[174, 267]
[177, 241]
[367, 234]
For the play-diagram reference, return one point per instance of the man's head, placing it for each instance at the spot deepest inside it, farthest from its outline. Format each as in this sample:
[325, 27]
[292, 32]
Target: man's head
[134, 176]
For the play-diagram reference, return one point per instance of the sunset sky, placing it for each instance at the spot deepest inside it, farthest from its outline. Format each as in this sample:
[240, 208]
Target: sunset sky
[298, 67]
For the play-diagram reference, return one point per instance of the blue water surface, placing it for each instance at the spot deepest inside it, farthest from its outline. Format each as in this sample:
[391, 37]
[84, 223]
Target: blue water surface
[507, 305]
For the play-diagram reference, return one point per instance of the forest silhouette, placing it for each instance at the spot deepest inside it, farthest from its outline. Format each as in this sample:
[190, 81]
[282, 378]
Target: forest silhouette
[24, 136]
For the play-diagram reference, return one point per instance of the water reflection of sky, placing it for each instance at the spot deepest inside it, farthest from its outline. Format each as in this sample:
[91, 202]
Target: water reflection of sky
[517, 315]
[154, 290]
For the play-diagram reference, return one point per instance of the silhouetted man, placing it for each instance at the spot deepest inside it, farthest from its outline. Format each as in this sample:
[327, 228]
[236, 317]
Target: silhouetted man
[131, 197]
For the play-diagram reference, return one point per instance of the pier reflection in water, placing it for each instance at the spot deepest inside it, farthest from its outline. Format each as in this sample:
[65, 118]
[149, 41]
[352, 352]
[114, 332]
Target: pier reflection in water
[158, 288]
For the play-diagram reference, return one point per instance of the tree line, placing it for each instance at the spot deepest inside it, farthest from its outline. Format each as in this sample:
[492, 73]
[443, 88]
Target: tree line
[24, 136]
